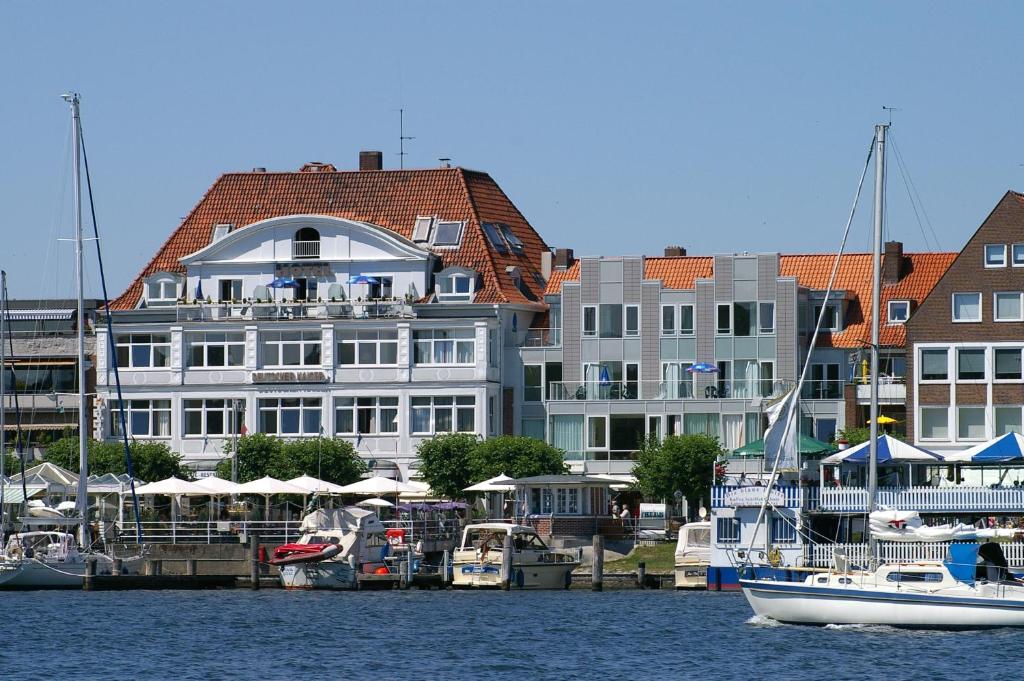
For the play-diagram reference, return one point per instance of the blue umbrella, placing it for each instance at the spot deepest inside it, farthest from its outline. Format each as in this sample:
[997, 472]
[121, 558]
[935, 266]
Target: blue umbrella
[1003, 449]
[362, 279]
[703, 368]
[889, 449]
[199, 289]
[604, 378]
[284, 282]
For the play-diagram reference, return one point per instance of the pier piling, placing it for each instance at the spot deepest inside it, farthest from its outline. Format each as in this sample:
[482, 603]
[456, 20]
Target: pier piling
[153, 568]
[506, 563]
[254, 559]
[597, 571]
[191, 567]
[444, 568]
[118, 567]
[641, 574]
[90, 574]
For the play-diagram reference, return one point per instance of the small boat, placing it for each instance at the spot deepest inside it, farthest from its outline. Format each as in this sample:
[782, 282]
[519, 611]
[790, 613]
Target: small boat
[46, 559]
[693, 555]
[479, 560]
[335, 547]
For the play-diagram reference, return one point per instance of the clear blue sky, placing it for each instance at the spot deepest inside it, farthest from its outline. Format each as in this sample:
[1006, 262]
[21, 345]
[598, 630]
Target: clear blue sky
[615, 127]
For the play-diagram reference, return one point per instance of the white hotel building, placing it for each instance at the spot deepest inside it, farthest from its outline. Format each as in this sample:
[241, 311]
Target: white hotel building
[406, 284]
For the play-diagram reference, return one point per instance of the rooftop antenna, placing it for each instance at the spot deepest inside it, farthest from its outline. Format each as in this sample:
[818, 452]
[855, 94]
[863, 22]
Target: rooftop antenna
[401, 139]
[890, 109]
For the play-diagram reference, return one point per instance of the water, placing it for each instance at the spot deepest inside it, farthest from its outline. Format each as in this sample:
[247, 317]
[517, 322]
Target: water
[615, 635]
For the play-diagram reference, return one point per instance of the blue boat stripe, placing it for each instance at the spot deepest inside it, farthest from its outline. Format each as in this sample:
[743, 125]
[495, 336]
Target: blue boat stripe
[878, 596]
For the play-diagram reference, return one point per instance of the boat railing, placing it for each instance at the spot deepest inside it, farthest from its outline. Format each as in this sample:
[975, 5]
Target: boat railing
[924, 499]
[436, 529]
[210, 531]
[822, 555]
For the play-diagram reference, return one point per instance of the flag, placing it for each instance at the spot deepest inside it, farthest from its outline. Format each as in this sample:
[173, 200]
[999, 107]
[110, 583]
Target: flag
[359, 439]
[780, 440]
[199, 289]
[243, 430]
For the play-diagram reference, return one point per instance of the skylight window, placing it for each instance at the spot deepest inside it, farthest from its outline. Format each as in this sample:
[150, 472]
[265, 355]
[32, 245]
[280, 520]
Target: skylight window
[539, 279]
[221, 231]
[512, 239]
[491, 230]
[421, 230]
[448, 234]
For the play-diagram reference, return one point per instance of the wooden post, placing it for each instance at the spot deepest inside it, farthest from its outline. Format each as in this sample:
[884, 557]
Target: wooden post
[254, 560]
[118, 567]
[597, 572]
[506, 563]
[90, 574]
[641, 574]
[191, 567]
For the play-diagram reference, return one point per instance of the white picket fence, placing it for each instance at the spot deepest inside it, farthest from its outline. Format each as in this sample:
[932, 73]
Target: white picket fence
[902, 552]
[925, 499]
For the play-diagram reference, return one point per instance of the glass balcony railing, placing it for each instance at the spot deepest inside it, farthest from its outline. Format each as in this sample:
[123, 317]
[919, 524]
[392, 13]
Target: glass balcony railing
[666, 390]
[536, 338]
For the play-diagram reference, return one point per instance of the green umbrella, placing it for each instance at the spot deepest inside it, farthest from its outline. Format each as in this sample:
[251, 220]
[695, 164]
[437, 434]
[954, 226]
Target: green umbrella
[807, 444]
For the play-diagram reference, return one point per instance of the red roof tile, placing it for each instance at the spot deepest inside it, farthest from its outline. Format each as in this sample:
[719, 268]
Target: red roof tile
[388, 198]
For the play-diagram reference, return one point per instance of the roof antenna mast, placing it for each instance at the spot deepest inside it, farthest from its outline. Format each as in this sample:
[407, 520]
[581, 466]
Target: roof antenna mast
[401, 139]
[890, 109]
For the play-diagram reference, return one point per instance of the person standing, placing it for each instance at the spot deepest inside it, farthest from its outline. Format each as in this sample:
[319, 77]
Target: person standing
[627, 518]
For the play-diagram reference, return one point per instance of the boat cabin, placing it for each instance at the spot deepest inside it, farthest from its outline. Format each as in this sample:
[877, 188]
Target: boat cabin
[490, 537]
[694, 543]
[59, 546]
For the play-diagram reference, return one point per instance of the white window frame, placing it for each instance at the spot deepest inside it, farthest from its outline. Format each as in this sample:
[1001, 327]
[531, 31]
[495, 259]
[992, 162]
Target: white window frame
[995, 306]
[358, 343]
[984, 411]
[998, 248]
[163, 281]
[459, 229]
[135, 340]
[204, 408]
[920, 422]
[919, 365]
[236, 287]
[583, 322]
[539, 388]
[761, 329]
[985, 363]
[385, 415]
[277, 339]
[151, 407]
[1014, 250]
[233, 340]
[220, 231]
[693, 319]
[995, 418]
[995, 377]
[432, 338]
[673, 329]
[889, 316]
[422, 228]
[718, 330]
[456, 405]
[981, 313]
[586, 436]
[308, 404]
[825, 326]
[453, 282]
[626, 331]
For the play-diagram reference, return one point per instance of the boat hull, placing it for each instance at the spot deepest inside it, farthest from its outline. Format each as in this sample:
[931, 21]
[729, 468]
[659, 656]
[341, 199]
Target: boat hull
[691, 576]
[33, 574]
[524, 575]
[326, 574]
[802, 604]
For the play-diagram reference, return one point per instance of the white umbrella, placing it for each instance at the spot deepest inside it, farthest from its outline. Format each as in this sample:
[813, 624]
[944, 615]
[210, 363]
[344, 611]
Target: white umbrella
[377, 486]
[268, 486]
[499, 483]
[172, 487]
[374, 501]
[215, 486]
[312, 485]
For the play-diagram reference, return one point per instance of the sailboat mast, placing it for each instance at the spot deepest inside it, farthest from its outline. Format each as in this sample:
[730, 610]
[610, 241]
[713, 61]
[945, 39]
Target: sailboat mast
[82, 498]
[876, 302]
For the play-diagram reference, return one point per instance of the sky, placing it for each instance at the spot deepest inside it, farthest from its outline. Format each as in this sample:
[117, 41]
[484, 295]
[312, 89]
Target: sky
[616, 128]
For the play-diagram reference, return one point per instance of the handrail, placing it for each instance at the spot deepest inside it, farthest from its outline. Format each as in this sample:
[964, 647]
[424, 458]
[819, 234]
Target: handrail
[926, 499]
[822, 555]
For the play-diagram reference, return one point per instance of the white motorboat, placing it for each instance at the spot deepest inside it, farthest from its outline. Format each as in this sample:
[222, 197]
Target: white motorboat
[335, 547]
[479, 561]
[693, 555]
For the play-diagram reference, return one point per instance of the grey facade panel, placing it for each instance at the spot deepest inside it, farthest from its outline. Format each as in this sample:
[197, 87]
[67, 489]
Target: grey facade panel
[723, 278]
[590, 281]
[650, 338]
[632, 276]
[767, 275]
[705, 331]
[571, 327]
[786, 330]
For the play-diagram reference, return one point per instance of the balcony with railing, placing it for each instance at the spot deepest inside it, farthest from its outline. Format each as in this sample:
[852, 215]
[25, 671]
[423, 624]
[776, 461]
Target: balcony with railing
[891, 389]
[537, 338]
[304, 250]
[961, 499]
[560, 391]
[294, 309]
[822, 390]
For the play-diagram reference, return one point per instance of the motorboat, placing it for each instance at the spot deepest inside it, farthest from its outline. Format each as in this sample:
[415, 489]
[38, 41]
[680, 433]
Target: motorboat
[46, 559]
[479, 561]
[336, 545]
[693, 555]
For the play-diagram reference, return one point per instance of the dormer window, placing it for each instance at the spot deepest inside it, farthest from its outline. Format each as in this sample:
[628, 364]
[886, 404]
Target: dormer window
[220, 231]
[421, 230]
[831, 320]
[456, 284]
[306, 244]
[448, 234]
[163, 288]
[899, 311]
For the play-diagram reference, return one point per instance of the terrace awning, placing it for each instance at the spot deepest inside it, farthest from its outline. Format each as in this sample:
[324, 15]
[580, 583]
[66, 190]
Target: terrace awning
[1004, 449]
[890, 450]
[806, 443]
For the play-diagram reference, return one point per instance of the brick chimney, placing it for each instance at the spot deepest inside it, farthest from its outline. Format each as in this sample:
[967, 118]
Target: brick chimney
[674, 251]
[563, 258]
[892, 263]
[371, 160]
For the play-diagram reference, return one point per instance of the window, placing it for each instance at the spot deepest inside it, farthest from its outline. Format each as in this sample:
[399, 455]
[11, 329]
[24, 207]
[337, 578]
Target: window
[491, 231]
[142, 350]
[162, 290]
[597, 432]
[935, 364]
[678, 382]
[221, 231]
[702, 424]
[533, 428]
[443, 414]
[307, 287]
[1007, 364]
[41, 379]
[372, 347]
[456, 287]
[668, 320]
[421, 228]
[610, 318]
[995, 255]
[766, 317]
[934, 423]
[899, 311]
[589, 320]
[146, 418]
[970, 364]
[966, 307]
[291, 348]
[513, 241]
[211, 417]
[825, 383]
[1018, 255]
[290, 416]
[686, 320]
[366, 415]
[728, 530]
[1008, 307]
[492, 415]
[724, 318]
[210, 349]
[532, 382]
[768, 380]
[444, 346]
[568, 501]
[914, 577]
[831, 320]
[744, 319]
[384, 288]
[970, 423]
[448, 234]
[783, 530]
[632, 320]
[229, 289]
[1008, 420]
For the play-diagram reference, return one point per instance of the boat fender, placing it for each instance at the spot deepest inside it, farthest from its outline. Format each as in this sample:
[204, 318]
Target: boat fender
[261, 554]
[331, 551]
[16, 552]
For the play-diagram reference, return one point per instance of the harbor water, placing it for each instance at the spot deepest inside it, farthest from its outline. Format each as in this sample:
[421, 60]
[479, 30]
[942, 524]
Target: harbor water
[273, 634]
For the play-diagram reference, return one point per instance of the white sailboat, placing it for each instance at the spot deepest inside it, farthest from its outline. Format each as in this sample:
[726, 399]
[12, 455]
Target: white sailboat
[970, 588]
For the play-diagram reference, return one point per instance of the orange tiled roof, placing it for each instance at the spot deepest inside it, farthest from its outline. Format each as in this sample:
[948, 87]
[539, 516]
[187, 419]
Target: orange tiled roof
[920, 273]
[388, 198]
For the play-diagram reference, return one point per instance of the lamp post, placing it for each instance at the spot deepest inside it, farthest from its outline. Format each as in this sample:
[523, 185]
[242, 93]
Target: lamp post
[234, 439]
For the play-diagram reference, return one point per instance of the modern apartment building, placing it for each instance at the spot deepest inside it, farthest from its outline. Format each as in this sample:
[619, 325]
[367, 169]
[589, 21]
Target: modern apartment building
[368, 304]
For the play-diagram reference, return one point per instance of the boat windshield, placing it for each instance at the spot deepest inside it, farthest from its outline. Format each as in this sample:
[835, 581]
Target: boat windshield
[698, 538]
[478, 538]
[321, 539]
[528, 542]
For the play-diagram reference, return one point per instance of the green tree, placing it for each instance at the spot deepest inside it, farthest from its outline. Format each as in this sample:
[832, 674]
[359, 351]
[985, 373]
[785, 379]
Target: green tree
[258, 454]
[516, 456]
[152, 461]
[686, 463]
[104, 457]
[445, 463]
[333, 460]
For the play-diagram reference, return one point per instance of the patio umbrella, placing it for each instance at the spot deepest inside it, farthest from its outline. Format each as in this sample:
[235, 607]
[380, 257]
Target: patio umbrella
[362, 279]
[890, 450]
[283, 282]
[884, 420]
[267, 487]
[1004, 449]
[315, 486]
[217, 486]
[376, 502]
[806, 445]
[172, 487]
[377, 486]
[604, 379]
[702, 368]
[499, 483]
